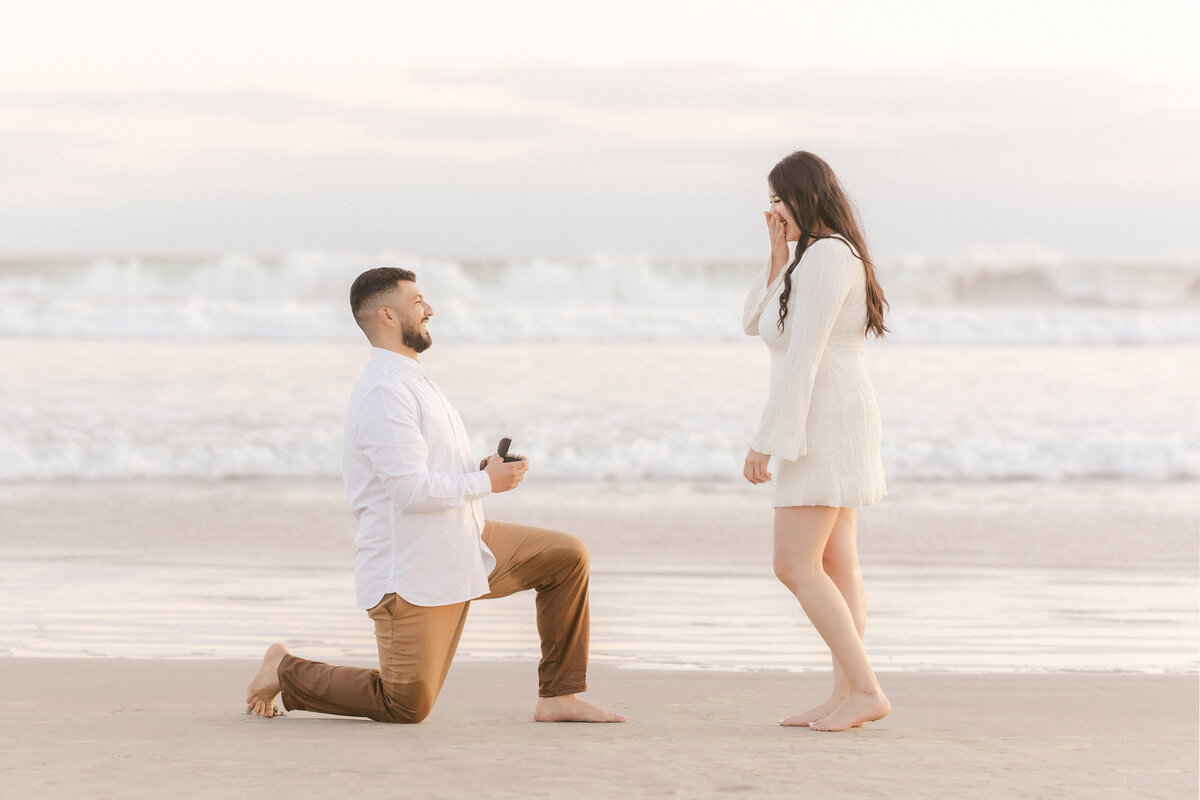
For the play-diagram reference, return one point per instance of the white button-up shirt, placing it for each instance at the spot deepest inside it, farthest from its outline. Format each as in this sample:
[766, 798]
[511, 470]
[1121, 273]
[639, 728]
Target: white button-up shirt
[415, 489]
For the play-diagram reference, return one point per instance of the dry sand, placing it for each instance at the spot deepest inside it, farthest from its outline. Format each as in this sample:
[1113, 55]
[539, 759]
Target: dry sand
[122, 728]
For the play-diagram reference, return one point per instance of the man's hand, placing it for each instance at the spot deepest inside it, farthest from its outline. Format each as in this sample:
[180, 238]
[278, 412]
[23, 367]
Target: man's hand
[504, 475]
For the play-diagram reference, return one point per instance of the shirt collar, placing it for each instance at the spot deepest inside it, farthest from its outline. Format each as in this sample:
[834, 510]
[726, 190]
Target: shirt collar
[389, 358]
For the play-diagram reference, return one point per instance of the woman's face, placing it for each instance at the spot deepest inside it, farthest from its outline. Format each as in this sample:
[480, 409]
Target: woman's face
[791, 232]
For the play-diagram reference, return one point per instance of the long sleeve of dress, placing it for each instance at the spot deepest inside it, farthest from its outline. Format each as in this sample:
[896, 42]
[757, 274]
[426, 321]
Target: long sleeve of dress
[756, 300]
[820, 284]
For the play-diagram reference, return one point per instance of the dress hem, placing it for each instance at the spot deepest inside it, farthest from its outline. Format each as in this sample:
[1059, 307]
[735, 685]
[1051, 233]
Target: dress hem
[807, 503]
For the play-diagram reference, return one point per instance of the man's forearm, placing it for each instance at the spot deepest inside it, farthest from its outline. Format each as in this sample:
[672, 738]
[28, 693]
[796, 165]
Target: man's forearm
[423, 492]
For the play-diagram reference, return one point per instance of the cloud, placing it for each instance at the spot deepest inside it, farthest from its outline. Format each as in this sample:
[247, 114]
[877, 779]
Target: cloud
[937, 158]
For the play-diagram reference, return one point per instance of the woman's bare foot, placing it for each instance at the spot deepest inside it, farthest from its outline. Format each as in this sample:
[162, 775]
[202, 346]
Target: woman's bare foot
[260, 694]
[813, 714]
[858, 708]
[569, 708]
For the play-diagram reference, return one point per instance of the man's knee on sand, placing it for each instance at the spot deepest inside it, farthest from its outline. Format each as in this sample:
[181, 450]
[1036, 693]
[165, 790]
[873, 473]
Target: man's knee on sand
[408, 703]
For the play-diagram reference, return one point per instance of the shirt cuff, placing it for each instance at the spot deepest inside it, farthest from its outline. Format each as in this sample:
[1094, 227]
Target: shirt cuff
[480, 484]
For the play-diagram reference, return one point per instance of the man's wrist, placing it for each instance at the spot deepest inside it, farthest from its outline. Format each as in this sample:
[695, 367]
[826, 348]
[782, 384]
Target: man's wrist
[482, 482]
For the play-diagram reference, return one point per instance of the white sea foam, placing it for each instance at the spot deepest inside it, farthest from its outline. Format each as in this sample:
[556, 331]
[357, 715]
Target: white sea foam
[608, 411]
[983, 298]
[240, 366]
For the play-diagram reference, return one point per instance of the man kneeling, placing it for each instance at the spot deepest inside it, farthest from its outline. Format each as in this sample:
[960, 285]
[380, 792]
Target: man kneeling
[423, 548]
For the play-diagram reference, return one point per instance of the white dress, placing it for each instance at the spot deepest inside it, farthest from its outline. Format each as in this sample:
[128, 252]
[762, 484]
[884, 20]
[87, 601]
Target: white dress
[821, 421]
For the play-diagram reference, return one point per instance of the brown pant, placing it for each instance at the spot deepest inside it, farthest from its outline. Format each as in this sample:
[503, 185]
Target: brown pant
[417, 643]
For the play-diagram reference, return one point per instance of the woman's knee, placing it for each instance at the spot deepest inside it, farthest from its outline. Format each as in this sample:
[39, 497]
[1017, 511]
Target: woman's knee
[839, 564]
[795, 576]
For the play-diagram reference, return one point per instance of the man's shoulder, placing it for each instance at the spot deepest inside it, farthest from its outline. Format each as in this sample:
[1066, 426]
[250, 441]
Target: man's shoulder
[380, 390]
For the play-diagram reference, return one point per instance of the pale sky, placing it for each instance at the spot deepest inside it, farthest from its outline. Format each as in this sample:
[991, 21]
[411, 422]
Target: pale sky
[528, 128]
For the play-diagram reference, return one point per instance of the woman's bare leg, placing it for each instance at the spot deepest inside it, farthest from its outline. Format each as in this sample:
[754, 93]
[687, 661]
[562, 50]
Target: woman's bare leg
[801, 536]
[840, 562]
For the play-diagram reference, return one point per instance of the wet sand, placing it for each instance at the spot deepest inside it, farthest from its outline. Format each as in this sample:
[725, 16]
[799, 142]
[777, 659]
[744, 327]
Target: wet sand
[677, 524]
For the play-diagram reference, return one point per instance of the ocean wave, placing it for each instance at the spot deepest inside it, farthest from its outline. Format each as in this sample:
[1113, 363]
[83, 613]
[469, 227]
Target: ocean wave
[303, 297]
[608, 412]
[317, 455]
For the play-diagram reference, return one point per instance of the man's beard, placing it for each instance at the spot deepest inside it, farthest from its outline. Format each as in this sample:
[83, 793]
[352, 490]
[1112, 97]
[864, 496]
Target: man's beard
[414, 338]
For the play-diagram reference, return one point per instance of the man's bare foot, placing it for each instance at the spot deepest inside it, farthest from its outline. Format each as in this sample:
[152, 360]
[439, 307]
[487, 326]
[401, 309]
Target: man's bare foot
[854, 711]
[569, 708]
[813, 714]
[260, 694]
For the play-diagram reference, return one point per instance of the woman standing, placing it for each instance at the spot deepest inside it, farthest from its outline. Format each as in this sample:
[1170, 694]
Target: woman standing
[821, 422]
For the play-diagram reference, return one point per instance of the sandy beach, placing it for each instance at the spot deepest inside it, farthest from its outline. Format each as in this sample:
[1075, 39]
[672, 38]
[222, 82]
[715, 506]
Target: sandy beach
[138, 728]
[155, 726]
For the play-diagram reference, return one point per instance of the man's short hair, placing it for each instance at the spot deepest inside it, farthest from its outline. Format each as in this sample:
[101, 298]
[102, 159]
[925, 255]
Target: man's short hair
[372, 283]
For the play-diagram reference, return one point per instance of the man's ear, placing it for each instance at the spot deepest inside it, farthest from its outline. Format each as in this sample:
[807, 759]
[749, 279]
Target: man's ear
[386, 317]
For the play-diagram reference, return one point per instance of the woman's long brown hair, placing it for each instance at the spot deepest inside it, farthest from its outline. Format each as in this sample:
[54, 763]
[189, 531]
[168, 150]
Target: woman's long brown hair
[815, 198]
